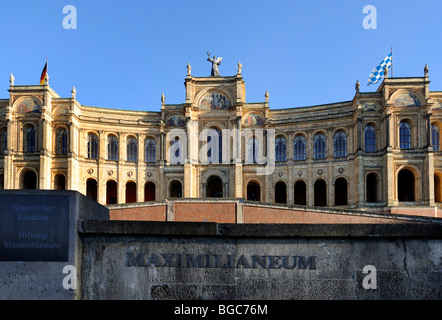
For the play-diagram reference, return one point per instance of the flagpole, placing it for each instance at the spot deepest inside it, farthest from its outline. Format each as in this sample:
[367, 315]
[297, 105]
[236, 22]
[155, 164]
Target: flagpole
[392, 62]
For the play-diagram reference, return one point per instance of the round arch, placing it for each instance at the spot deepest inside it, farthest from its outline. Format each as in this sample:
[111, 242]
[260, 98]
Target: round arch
[214, 187]
[253, 190]
[92, 188]
[372, 187]
[280, 191]
[149, 191]
[407, 189]
[28, 179]
[111, 191]
[320, 192]
[59, 181]
[341, 191]
[175, 189]
[300, 192]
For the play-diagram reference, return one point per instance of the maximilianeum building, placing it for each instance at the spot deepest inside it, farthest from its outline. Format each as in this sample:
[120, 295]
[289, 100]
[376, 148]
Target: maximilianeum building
[377, 151]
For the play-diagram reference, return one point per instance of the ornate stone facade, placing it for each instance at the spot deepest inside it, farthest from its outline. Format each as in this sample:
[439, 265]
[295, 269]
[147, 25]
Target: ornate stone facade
[378, 151]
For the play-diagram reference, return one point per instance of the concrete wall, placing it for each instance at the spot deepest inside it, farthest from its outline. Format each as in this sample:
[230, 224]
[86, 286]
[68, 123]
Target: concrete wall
[242, 211]
[164, 261]
[37, 273]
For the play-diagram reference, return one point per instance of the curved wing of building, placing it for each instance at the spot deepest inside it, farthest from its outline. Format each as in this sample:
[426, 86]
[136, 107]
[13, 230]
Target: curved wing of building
[377, 151]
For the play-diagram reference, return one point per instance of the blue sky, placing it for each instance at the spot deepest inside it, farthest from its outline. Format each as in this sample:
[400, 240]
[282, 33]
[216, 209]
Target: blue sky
[125, 54]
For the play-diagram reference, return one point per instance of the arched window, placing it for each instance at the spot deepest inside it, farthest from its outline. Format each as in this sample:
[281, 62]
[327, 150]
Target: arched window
[299, 148]
[150, 153]
[340, 144]
[280, 149]
[404, 135]
[30, 139]
[92, 146]
[112, 148]
[176, 151]
[132, 149]
[370, 138]
[435, 137]
[215, 150]
[319, 147]
[62, 141]
[253, 150]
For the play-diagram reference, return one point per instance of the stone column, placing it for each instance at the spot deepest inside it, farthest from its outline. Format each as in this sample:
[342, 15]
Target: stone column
[239, 188]
[359, 134]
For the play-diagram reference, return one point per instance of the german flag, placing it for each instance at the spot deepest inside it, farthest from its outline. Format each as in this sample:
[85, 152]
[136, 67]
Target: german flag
[43, 74]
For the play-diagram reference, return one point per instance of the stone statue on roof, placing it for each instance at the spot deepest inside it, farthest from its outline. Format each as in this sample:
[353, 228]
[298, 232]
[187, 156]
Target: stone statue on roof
[215, 63]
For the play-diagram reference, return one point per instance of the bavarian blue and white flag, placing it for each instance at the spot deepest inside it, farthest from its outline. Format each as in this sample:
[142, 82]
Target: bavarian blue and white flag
[378, 72]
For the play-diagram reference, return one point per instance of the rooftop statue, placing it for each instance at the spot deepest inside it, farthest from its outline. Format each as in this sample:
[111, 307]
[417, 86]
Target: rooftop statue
[215, 63]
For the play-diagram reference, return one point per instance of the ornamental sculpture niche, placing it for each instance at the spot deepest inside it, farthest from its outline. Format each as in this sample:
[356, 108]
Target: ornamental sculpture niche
[28, 106]
[370, 106]
[214, 101]
[407, 100]
[176, 121]
[254, 119]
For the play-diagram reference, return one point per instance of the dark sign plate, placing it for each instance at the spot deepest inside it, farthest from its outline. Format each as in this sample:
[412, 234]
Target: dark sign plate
[34, 227]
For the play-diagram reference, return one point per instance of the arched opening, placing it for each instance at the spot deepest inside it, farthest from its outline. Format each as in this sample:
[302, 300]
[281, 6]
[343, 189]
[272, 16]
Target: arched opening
[405, 135]
[370, 138]
[300, 193]
[132, 149]
[372, 187]
[253, 191]
[131, 192]
[176, 189]
[112, 148]
[92, 146]
[2, 181]
[280, 149]
[91, 189]
[62, 141]
[60, 182]
[111, 192]
[320, 193]
[405, 182]
[29, 180]
[149, 191]
[30, 143]
[281, 192]
[215, 146]
[341, 192]
[214, 187]
[437, 188]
